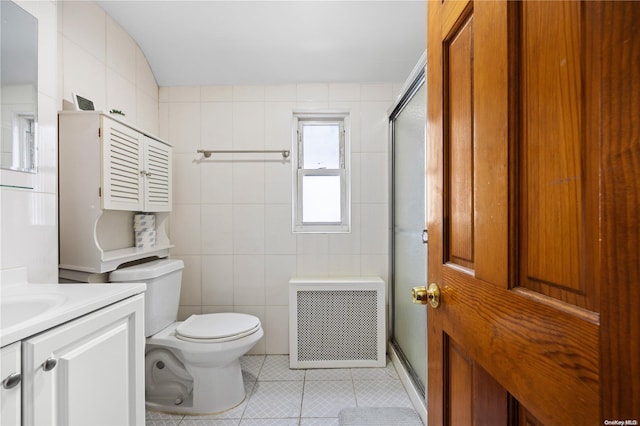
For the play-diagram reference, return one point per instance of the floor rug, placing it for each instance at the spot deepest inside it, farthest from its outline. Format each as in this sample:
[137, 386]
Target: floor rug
[379, 416]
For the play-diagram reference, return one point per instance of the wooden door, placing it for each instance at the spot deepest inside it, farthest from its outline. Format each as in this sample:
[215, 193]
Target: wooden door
[533, 170]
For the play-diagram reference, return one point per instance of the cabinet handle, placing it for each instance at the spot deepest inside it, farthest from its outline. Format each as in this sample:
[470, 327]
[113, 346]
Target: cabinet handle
[49, 364]
[12, 381]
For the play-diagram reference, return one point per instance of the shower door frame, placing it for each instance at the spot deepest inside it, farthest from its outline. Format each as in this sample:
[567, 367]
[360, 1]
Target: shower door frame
[414, 83]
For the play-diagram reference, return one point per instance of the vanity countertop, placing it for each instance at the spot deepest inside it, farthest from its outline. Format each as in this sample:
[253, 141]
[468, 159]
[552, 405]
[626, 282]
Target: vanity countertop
[28, 309]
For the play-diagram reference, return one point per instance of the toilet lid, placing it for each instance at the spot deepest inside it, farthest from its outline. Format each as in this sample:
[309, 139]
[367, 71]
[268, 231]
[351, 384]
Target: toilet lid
[221, 327]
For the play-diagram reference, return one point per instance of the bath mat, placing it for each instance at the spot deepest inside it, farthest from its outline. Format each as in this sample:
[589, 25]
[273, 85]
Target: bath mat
[379, 416]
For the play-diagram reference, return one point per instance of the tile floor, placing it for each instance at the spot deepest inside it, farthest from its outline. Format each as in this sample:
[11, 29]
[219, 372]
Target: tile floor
[277, 395]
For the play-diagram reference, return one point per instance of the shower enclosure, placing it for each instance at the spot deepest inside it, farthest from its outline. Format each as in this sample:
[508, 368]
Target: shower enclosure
[408, 239]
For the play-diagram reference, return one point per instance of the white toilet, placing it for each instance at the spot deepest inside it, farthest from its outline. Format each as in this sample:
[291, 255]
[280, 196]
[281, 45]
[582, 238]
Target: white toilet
[191, 367]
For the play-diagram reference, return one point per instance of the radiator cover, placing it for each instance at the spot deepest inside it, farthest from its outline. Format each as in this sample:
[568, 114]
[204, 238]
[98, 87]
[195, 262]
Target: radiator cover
[337, 323]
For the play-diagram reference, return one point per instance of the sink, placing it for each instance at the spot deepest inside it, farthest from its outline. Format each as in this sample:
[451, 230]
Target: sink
[20, 308]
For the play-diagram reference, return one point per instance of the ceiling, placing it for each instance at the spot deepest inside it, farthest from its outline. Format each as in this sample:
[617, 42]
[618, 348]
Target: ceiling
[275, 42]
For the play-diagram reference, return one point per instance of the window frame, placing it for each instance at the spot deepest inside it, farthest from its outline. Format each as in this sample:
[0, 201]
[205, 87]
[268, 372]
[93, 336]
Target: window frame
[315, 118]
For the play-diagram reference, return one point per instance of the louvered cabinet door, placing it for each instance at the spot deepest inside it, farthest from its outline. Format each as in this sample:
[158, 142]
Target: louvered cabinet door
[157, 174]
[123, 186]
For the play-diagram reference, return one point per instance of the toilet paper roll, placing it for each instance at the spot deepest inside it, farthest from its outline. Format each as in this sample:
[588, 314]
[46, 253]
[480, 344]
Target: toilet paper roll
[144, 222]
[145, 239]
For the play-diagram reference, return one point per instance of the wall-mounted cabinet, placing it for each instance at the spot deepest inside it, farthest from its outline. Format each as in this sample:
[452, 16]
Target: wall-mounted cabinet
[108, 171]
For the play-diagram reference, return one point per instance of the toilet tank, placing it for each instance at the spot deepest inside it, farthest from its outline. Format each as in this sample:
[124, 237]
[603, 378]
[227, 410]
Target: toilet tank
[163, 278]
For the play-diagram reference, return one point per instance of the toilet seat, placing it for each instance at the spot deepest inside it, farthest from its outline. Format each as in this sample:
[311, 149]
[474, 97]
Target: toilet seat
[221, 327]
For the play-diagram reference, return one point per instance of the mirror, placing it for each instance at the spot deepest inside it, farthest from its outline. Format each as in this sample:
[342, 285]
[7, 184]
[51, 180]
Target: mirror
[19, 87]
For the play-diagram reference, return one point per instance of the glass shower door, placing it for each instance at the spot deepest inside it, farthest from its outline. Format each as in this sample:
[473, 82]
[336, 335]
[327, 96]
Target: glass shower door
[409, 257]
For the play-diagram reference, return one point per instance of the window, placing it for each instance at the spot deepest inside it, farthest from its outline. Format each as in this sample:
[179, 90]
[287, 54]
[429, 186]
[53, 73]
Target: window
[321, 191]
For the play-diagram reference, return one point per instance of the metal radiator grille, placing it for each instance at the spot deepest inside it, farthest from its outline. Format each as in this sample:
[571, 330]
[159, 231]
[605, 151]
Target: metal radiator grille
[337, 325]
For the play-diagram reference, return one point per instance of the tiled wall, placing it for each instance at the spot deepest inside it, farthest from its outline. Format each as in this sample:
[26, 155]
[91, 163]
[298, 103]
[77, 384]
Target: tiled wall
[101, 62]
[28, 217]
[231, 222]
[83, 51]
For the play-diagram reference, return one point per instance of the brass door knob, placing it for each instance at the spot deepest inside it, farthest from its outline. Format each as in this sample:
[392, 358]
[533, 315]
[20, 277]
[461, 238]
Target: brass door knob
[419, 295]
[422, 295]
[433, 294]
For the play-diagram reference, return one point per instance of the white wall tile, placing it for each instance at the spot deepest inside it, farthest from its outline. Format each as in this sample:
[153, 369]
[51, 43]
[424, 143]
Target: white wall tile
[216, 182]
[248, 280]
[344, 92]
[248, 229]
[163, 122]
[279, 238]
[217, 125]
[145, 80]
[281, 93]
[248, 126]
[84, 74]
[279, 269]
[313, 244]
[29, 233]
[344, 265]
[375, 265]
[374, 127]
[377, 92]
[248, 93]
[185, 229]
[84, 23]
[277, 182]
[374, 178]
[217, 280]
[374, 228]
[148, 113]
[248, 182]
[121, 51]
[122, 96]
[310, 265]
[278, 125]
[347, 243]
[184, 94]
[313, 92]
[191, 288]
[184, 126]
[217, 228]
[277, 329]
[216, 93]
[186, 176]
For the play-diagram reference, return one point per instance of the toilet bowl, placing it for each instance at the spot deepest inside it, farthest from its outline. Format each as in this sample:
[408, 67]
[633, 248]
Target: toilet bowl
[191, 367]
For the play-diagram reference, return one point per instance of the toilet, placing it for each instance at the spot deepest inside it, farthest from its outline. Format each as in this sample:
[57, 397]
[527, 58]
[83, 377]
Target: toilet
[191, 367]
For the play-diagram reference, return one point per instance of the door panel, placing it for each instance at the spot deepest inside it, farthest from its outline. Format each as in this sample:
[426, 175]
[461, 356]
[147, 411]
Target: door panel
[459, 143]
[553, 140]
[521, 218]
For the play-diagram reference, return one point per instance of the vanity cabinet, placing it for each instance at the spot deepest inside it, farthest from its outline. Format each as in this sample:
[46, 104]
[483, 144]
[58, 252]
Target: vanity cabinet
[11, 388]
[87, 371]
[108, 172]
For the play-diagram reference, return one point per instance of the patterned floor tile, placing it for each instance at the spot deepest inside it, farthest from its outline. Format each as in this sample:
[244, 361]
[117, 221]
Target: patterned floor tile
[328, 374]
[210, 422]
[381, 393]
[270, 422]
[271, 400]
[319, 421]
[162, 422]
[276, 368]
[380, 373]
[251, 365]
[327, 398]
